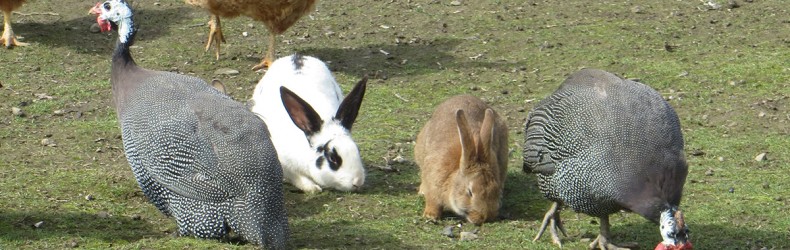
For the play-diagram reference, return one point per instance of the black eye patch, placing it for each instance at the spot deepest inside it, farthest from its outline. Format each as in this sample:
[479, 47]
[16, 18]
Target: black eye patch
[334, 159]
[319, 161]
[107, 5]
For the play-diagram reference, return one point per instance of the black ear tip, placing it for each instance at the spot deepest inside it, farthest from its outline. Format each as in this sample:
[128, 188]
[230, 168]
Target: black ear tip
[363, 83]
[284, 91]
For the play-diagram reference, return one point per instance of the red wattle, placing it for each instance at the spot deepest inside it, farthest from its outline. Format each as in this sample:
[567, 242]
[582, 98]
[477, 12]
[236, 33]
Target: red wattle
[104, 25]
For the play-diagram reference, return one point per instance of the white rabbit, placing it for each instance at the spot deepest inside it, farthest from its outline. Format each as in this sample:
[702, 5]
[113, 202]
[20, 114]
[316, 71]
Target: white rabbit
[300, 102]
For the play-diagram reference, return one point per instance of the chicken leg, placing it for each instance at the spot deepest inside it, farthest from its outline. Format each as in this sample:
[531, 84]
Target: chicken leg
[552, 219]
[9, 40]
[269, 57]
[215, 34]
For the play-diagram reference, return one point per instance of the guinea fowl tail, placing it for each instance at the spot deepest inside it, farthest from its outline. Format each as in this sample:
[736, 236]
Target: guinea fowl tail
[261, 220]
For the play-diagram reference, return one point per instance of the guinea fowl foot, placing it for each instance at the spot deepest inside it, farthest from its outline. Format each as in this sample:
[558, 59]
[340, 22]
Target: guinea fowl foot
[215, 34]
[602, 242]
[552, 220]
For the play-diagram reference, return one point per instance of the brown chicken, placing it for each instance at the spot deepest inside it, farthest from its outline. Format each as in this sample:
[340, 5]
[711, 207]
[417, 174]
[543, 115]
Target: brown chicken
[9, 40]
[277, 15]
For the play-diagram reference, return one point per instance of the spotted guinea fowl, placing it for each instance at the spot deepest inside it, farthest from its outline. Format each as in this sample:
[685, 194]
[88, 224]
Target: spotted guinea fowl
[600, 144]
[277, 15]
[198, 155]
[8, 38]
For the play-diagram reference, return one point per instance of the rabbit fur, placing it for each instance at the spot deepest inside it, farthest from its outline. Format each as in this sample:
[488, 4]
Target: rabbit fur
[462, 154]
[310, 127]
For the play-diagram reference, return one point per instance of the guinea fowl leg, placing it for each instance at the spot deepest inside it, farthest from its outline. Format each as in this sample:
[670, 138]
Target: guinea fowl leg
[602, 242]
[267, 60]
[9, 40]
[215, 34]
[552, 219]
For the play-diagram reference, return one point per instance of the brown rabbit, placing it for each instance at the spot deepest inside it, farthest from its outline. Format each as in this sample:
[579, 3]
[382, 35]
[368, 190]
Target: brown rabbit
[462, 153]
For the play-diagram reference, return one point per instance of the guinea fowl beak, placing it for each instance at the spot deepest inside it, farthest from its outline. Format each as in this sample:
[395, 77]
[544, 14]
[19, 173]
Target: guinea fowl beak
[104, 25]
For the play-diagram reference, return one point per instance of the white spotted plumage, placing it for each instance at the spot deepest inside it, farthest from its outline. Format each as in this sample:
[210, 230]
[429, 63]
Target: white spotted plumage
[197, 155]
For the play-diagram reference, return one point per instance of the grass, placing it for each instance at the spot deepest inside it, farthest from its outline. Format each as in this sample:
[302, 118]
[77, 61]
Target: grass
[724, 71]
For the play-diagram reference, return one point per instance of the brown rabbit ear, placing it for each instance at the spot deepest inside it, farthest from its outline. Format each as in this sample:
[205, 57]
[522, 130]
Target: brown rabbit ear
[486, 135]
[465, 134]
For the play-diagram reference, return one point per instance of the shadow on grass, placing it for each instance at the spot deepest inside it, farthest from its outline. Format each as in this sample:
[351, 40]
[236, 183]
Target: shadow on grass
[341, 234]
[379, 61]
[20, 226]
[75, 33]
[522, 199]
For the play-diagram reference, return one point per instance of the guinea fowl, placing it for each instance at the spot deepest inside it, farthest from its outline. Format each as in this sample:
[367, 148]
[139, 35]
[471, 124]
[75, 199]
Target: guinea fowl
[277, 15]
[198, 155]
[7, 6]
[600, 144]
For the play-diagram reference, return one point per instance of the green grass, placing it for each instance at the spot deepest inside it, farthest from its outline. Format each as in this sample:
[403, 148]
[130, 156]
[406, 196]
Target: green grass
[723, 69]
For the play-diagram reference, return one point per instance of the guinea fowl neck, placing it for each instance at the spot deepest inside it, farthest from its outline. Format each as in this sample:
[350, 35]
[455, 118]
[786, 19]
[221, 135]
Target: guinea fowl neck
[126, 32]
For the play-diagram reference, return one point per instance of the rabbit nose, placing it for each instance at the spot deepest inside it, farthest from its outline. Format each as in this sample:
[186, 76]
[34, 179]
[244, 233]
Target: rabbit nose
[357, 182]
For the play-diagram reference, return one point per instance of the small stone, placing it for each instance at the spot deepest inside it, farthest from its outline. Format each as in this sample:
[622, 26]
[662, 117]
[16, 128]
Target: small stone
[95, 28]
[72, 244]
[103, 214]
[448, 231]
[761, 114]
[732, 190]
[732, 4]
[17, 112]
[637, 9]
[48, 142]
[778, 198]
[136, 217]
[245, 34]
[455, 3]
[466, 236]
[761, 157]
[89, 197]
[709, 172]
[59, 112]
[38, 224]
[766, 185]
[226, 71]
[697, 152]
[721, 158]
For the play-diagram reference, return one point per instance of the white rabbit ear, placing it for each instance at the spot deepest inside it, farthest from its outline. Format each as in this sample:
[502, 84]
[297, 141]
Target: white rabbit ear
[349, 108]
[302, 114]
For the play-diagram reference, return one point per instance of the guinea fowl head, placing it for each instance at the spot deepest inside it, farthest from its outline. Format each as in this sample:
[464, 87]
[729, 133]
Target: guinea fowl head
[111, 12]
[674, 231]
